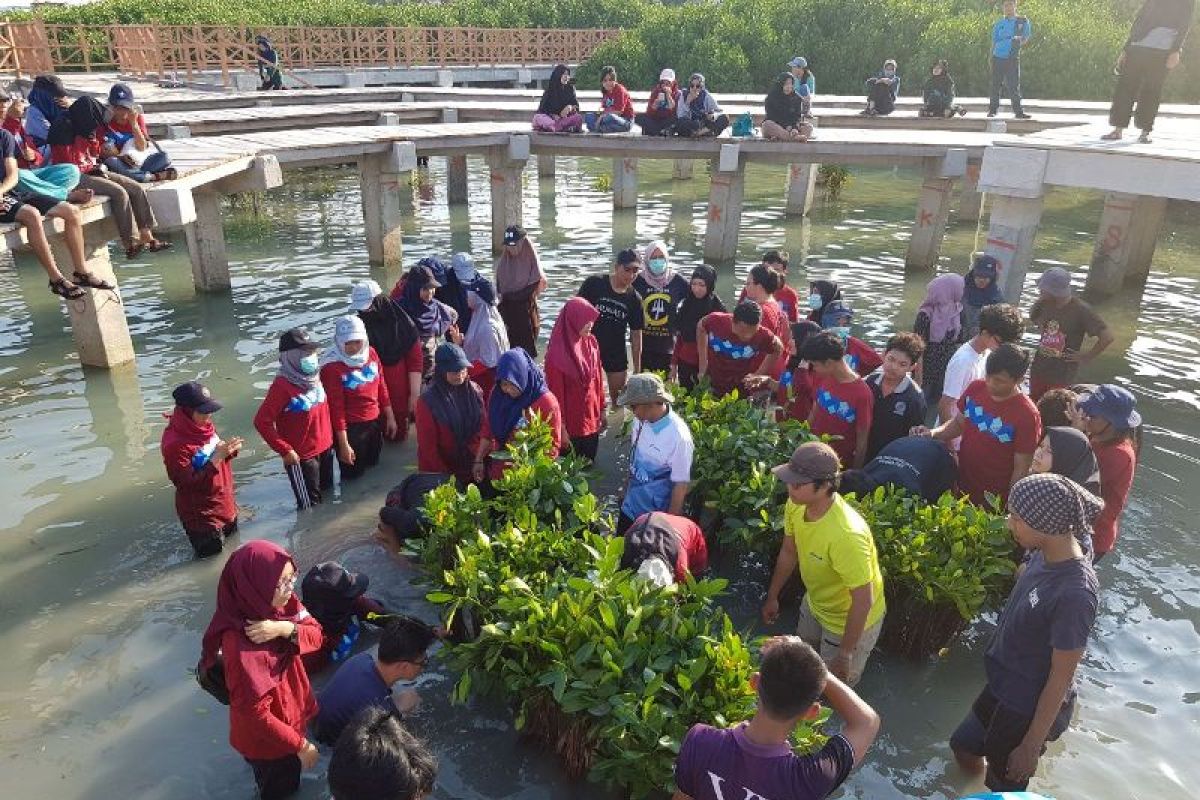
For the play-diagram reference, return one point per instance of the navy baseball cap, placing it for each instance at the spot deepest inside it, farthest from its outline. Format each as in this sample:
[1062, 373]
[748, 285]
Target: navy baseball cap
[121, 95]
[195, 396]
[297, 339]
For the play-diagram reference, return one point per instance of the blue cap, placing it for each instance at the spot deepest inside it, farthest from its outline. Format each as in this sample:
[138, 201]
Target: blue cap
[799, 62]
[1111, 403]
[833, 311]
[449, 357]
[121, 95]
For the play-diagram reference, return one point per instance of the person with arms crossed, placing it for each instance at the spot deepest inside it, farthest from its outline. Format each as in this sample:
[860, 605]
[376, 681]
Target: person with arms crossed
[620, 308]
[1062, 320]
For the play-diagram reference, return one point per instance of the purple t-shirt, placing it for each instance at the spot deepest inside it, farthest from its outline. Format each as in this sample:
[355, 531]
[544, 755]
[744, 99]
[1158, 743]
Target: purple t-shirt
[722, 764]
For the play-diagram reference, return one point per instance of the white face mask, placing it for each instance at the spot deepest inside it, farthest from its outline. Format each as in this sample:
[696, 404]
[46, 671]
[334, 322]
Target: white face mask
[657, 266]
[815, 301]
[310, 364]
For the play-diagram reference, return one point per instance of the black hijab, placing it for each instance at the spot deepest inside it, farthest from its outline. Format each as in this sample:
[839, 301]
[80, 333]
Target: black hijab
[800, 332]
[829, 292]
[558, 95]
[459, 408]
[82, 119]
[784, 109]
[389, 329]
[692, 310]
[1072, 457]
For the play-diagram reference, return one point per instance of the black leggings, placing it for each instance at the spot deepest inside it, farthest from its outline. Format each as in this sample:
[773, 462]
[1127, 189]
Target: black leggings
[366, 438]
[277, 778]
[690, 127]
[209, 542]
[310, 478]
[655, 127]
[586, 446]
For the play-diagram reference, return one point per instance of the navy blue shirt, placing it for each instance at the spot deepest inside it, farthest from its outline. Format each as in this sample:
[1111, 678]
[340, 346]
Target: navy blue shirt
[918, 464]
[895, 415]
[356, 685]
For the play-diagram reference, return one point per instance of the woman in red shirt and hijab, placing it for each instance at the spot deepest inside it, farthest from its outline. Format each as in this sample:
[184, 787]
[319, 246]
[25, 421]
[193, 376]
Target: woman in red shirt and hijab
[257, 635]
[449, 416]
[575, 377]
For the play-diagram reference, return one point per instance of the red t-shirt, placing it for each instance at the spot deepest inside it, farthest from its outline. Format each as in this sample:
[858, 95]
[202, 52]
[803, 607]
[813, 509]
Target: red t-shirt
[83, 153]
[355, 394]
[291, 418]
[995, 431]
[15, 127]
[842, 409]
[437, 450]
[693, 549]
[789, 302]
[616, 102]
[582, 406]
[861, 357]
[1117, 463]
[796, 392]
[729, 358]
[774, 320]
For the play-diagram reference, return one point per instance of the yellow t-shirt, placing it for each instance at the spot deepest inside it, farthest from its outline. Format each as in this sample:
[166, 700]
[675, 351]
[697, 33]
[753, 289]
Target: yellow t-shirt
[836, 554]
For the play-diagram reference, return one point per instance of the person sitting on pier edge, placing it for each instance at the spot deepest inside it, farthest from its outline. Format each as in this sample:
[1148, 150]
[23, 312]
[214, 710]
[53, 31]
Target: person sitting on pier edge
[449, 416]
[820, 294]
[259, 633]
[794, 390]
[939, 324]
[48, 100]
[1111, 421]
[75, 139]
[1009, 35]
[337, 598]
[360, 409]
[35, 176]
[899, 404]
[1152, 49]
[433, 318]
[616, 108]
[919, 465]
[999, 426]
[700, 301]
[125, 144]
[699, 114]
[662, 290]
[734, 350]
[861, 357]
[940, 92]
[376, 757]
[674, 541]
[520, 393]
[28, 210]
[268, 65]
[620, 308]
[1040, 637]
[558, 112]
[882, 90]
[1063, 320]
[979, 289]
[661, 112]
[785, 111]
[394, 338]
[294, 418]
[803, 75]
[842, 401]
[660, 466]
[575, 376]
[486, 336]
[198, 463]
[519, 281]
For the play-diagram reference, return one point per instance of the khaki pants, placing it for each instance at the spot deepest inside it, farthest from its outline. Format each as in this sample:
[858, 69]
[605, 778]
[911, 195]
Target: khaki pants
[828, 643]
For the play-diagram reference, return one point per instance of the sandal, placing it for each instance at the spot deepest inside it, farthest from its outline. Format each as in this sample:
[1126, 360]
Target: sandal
[158, 245]
[168, 174]
[65, 289]
[134, 250]
[91, 281]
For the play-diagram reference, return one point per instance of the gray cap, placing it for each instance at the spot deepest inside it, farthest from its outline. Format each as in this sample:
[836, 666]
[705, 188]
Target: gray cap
[812, 461]
[645, 387]
[800, 62]
[1056, 282]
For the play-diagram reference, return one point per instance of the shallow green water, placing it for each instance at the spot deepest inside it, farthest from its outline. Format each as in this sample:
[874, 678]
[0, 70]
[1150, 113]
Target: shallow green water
[103, 607]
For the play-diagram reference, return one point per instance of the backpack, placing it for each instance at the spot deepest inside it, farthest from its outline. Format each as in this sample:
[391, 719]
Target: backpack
[743, 126]
[213, 681]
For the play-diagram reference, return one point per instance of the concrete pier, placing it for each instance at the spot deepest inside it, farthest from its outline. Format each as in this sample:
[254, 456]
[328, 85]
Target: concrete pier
[624, 182]
[970, 199]
[933, 209]
[506, 164]
[456, 179]
[801, 186]
[206, 244]
[1129, 228]
[727, 188]
[683, 169]
[384, 177]
[546, 166]
[1012, 227]
[98, 324]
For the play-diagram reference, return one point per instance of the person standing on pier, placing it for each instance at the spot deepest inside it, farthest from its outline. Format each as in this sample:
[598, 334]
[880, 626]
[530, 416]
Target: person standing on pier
[1009, 35]
[662, 290]
[620, 308]
[519, 281]
[1153, 48]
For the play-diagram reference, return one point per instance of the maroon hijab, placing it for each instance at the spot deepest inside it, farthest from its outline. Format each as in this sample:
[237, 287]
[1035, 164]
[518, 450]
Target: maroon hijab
[244, 595]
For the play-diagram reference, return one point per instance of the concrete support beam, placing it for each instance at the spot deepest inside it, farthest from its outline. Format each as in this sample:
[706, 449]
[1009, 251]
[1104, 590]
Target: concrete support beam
[1129, 228]
[456, 180]
[206, 244]
[449, 115]
[173, 206]
[801, 186]
[506, 164]
[444, 77]
[178, 132]
[545, 166]
[524, 78]
[354, 80]
[970, 199]
[1012, 227]
[624, 182]
[683, 169]
[264, 173]
[388, 119]
[383, 180]
[726, 190]
[98, 323]
[933, 209]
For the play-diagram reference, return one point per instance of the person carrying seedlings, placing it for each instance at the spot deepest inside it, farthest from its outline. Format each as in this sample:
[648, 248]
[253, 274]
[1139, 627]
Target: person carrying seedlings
[999, 426]
[294, 418]
[337, 598]
[360, 409]
[521, 394]
[620, 307]
[735, 350]
[785, 109]
[661, 112]
[698, 112]
[919, 465]
[860, 356]
[198, 463]
[377, 757]
[755, 759]
[1110, 419]
[674, 542]
[940, 92]
[979, 290]
[366, 680]
[616, 108]
[575, 376]
[1063, 320]
[268, 65]
[395, 339]
[449, 417]
[998, 324]
[519, 281]
[899, 403]
[558, 111]
[660, 467]
[882, 90]
[843, 403]
[843, 606]
[700, 301]
[1009, 35]
[1040, 638]
[939, 324]
[1152, 49]
[662, 289]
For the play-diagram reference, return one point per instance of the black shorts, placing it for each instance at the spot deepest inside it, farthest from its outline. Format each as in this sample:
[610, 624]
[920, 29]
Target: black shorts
[614, 360]
[993, 730]
[10, 204]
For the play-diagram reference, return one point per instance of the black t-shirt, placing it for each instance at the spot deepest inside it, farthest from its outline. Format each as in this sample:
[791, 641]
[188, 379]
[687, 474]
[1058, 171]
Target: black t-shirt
[660, 307]
[8, 149]
[894, 415]
[618, 313]
[919, 464]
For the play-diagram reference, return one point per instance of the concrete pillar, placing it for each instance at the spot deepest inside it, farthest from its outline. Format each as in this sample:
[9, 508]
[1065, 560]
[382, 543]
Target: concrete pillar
[545, 166]
[388, 118]
[449, 116]
[444, 77]
[1012, 226]
[98, 323]
[624, 183]
[178, 132]
[206, 244]
[970, 199]
[524, 78]
[797, 240]
[801, 186]
[933, 209]
[683, 169]
[726, 190]
[506, 165]
[384, 176]
[354, 80]
[456, 179]
[1124, 248]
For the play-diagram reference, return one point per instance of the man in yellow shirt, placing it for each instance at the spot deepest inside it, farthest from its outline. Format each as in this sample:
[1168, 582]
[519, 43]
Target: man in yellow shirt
[842, 611]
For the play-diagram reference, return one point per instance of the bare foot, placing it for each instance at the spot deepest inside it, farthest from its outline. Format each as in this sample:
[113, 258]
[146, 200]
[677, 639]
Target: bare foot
[1113, 135]
[80, 196]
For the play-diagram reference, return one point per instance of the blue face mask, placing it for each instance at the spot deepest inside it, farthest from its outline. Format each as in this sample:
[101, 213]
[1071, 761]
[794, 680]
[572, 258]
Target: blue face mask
[657, 266]
[841, 331]
[310, 364]
[815, 301]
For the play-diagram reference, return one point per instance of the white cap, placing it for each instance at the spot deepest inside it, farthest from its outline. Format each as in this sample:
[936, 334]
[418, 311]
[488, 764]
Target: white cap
[656, 571]
[667, 74]
[363, 293]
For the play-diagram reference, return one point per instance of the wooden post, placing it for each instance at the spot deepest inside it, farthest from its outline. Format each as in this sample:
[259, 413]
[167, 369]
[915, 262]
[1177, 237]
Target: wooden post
[98, 323]
[683, 169]
[456, 179]
[726, 190]
[506, 164]
[933, 209]
[970, 199]
[1012, 227]
[206, 244]
[624, 183]
[384, 176]
[1125, 243]
[801, 186]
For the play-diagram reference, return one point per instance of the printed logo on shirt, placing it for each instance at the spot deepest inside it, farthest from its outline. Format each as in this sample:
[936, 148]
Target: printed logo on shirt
[900, 408]
[658, 310]
[1054, 341]
[835, 407]
[357, 378]
[745, 794]
[203, 454]
[731, 348]
[304, 403]
[995, 427]
[1033, 598]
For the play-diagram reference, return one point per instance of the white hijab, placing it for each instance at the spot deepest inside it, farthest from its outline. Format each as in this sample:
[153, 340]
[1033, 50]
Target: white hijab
[487, 337]
[348, 329]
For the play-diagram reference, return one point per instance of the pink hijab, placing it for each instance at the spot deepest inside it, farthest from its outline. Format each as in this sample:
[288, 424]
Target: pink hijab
[516, 272]
[943, 305]
[568, 351]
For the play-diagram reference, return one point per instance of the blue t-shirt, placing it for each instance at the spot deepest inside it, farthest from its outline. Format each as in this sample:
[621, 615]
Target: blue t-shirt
[1003, 32]
[918, 464]
[356, 685]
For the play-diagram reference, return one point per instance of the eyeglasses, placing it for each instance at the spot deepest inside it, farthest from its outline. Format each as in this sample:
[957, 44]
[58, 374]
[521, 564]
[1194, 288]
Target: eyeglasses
[286, 584]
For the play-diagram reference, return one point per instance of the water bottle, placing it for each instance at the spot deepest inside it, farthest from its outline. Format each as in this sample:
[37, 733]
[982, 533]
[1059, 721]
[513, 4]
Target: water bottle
[347, 643]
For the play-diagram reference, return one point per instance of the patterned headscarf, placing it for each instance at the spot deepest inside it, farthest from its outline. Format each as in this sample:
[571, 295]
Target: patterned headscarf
[1054, 504]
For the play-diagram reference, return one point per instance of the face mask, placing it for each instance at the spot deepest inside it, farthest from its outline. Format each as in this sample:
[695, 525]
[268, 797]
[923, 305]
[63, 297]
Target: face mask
[657, 266]
[310, 364]
[841, 331]
[815, 301]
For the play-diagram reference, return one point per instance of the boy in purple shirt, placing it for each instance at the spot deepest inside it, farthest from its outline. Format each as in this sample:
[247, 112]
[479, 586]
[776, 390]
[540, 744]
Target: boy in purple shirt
[754, 760]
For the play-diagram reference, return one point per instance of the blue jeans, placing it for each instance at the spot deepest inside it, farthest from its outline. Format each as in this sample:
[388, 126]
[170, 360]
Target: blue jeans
[155, 162]
[1006, 72]
[613, 123]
